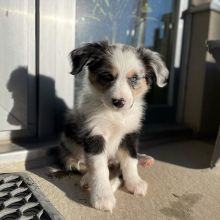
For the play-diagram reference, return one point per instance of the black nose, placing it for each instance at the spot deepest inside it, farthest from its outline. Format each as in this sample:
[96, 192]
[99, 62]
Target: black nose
[119, 103]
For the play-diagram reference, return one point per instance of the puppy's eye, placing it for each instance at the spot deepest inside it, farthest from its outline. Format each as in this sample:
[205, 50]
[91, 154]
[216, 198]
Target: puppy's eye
[134, 80]
[106, 77]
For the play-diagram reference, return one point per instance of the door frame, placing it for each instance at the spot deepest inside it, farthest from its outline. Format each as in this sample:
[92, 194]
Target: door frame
[56, 22]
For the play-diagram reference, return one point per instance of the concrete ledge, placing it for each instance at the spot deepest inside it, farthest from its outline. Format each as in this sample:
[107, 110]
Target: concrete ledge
[32, 156]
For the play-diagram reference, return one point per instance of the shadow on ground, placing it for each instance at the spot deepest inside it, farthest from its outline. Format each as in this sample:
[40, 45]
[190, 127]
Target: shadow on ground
[71, 188]
[195, 154]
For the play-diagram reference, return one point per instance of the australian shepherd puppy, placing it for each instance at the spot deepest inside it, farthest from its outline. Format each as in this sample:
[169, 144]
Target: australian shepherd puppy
[106, 121]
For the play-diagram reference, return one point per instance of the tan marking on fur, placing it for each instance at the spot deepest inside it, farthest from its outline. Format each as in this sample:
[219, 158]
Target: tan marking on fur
[131, 73]
[93, 78]
[122, 151]
[141, 86]
[114, 71]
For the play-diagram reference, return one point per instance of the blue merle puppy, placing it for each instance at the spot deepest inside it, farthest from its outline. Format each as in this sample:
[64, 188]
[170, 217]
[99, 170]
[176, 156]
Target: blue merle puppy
[107, 119]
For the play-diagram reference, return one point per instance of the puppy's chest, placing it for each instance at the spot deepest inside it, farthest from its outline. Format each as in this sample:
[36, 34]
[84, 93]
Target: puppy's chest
[121, 123]
[115, 127]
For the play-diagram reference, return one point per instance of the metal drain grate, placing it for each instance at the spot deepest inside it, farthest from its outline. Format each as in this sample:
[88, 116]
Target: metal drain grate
[20, 198]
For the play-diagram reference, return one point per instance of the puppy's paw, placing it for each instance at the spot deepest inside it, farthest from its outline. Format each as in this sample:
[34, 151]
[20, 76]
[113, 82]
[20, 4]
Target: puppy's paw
[74, 165]
[137, 187]
[103, 201]
[145, 160]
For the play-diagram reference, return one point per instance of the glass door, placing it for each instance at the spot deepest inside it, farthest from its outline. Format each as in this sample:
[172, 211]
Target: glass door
[150, 23]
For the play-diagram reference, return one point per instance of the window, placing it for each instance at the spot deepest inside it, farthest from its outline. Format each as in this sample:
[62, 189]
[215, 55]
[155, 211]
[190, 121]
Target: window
[139, 23]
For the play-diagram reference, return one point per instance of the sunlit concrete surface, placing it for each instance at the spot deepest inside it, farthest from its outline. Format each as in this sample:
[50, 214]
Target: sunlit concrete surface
[180, 187]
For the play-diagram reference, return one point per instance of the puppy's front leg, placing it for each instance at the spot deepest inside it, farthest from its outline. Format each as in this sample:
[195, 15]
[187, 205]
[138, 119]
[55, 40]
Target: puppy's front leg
[127, 156]
[101, 196]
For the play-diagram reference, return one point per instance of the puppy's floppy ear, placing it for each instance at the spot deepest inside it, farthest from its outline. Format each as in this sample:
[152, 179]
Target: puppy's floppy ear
[79, 58]
[87, 54]
[154, 65]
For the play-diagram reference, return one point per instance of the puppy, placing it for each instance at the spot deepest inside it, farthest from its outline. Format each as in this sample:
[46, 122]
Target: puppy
[107, 118]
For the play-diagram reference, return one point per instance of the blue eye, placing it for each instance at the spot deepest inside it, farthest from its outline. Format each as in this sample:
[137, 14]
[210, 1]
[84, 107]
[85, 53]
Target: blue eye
[134, 79]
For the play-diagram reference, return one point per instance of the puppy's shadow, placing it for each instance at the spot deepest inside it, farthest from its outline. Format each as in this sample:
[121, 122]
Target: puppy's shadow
[68, 182]
[22, 86]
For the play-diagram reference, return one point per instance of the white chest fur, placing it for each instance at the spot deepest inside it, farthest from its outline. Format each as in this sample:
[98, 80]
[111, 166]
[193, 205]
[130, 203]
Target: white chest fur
[113, 125]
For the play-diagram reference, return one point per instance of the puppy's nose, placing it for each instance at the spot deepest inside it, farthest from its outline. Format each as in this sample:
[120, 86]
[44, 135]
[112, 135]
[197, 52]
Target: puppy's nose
[119, 103]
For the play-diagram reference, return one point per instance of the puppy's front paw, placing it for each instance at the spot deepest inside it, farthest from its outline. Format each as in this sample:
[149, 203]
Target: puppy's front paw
[137, 187]
[104, 201]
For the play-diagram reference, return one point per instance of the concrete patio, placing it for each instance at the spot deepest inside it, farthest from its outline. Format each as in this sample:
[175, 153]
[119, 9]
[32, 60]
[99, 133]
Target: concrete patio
[180, 187]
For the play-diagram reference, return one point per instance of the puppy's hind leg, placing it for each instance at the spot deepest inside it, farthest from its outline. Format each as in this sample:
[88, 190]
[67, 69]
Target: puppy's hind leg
[70, 161]
[72, 154]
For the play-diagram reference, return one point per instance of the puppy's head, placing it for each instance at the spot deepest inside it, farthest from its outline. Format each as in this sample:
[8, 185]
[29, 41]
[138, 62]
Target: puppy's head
[120, 74]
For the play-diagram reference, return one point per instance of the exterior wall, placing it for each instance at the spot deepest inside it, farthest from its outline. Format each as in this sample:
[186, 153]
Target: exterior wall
[202, 107]
[211, 105]
[196, 73]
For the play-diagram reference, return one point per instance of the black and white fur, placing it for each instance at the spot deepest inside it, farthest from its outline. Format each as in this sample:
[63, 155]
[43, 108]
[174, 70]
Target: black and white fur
[107, 118]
